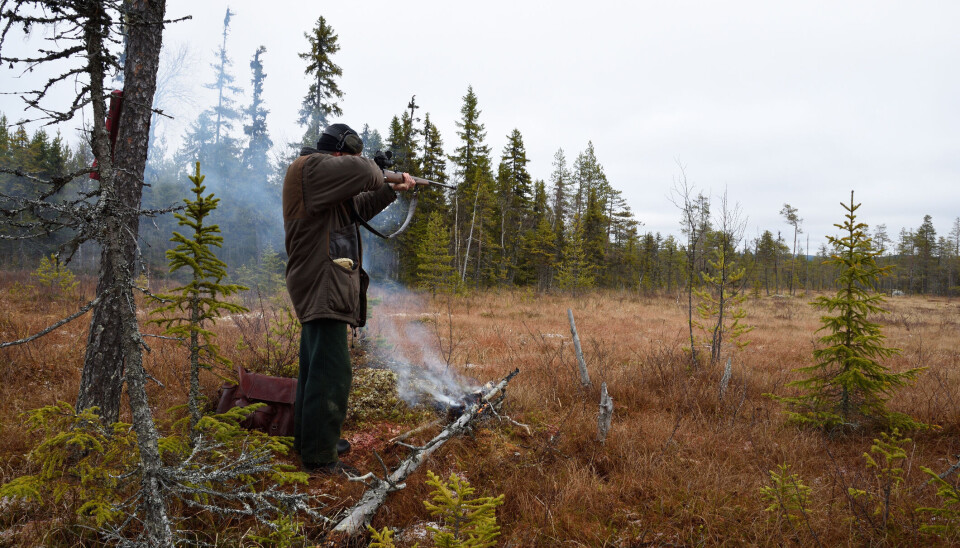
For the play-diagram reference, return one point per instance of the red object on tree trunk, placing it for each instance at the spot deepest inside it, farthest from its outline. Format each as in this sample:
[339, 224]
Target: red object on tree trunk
[113, 125]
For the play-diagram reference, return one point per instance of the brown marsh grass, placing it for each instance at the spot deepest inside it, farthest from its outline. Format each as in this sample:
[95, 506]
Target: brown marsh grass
[681, 467]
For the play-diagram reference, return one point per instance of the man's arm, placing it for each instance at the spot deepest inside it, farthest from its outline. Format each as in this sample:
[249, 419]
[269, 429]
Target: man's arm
[329, 180]
[369, 204]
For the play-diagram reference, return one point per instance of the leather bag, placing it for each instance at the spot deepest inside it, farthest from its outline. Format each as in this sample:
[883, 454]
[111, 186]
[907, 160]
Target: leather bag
[278, 393]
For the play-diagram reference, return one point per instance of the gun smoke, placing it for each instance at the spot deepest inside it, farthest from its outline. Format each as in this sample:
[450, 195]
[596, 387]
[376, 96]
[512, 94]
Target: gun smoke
[411, 351]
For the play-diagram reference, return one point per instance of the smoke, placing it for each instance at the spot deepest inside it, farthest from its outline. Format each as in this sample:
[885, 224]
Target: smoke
[411, 349]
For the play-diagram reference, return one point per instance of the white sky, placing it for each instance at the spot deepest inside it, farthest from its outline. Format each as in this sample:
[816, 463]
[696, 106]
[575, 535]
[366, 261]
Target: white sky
[778, 102]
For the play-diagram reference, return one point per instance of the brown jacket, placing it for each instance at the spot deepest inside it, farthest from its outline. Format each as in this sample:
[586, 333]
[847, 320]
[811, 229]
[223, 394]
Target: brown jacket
[319, 228]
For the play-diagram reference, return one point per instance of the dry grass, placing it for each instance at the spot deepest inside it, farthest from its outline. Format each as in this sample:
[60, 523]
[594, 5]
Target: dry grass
[680, 467]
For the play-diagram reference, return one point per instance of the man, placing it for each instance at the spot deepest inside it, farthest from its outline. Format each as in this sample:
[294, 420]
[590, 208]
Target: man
[324, 192]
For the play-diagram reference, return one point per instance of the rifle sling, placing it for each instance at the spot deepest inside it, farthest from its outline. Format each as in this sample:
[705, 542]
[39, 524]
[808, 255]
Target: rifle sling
[357, 218]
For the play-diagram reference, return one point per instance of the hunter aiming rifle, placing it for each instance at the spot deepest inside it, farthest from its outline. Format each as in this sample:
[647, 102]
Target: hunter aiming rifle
[383, 161]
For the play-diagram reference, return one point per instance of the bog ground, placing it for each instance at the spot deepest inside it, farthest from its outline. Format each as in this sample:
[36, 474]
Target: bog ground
[681, 466]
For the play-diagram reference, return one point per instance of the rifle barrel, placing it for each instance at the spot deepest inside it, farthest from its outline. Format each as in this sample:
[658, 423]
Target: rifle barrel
[421, 180]
[396, 177]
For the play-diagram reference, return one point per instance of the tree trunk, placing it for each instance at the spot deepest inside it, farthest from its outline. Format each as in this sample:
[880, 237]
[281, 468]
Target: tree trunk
[466, 254]
[101, 382]
[581, 363]
[114, 349]
[605, 415]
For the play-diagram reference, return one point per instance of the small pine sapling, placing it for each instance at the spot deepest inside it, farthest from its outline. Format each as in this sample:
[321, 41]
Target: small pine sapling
[720, 300]
[847, 383]
[186, 309]
[786, 495]
[946, 518]
[889, 473]
[468, 521]
[383, 538]
[283, 532]
[81, 464]
[55, 276]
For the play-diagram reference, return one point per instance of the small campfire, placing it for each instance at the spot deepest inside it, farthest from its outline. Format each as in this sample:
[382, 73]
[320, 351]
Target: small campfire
[454, 410]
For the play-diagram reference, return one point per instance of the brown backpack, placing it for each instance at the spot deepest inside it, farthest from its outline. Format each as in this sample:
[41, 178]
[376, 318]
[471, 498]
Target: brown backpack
[278, 393]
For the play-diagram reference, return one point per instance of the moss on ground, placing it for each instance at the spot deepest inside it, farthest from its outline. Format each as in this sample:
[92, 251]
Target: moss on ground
[374, 398]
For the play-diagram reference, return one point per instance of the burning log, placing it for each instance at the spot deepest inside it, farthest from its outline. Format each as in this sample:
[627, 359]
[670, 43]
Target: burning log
[361, 514]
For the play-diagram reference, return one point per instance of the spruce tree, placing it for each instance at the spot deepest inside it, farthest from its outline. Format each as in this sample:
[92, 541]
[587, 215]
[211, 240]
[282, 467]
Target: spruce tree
[559, 190]
[514, 200]
[434, 269]
[433, 164]
[430, 199]
[575, 273]
[372, 141]
[474, 195]
[472, 155]
[848, 384]
[404, 141]
[187, 309]
[255, 156]
[321, 99]
[595, 240]
[538, 245]
[587, 174]
[225, 148]
[198, 142]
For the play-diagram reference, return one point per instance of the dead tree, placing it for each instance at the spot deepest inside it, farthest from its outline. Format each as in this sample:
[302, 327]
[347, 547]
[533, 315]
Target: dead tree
[89, 30]
[605, 414]
[694, 224]
[578, 350]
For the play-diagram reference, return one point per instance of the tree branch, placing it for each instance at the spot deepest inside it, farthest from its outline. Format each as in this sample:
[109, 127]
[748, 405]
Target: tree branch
[55, 326]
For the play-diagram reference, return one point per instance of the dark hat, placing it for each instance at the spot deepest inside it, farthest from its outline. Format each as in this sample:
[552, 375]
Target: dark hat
[340, 138]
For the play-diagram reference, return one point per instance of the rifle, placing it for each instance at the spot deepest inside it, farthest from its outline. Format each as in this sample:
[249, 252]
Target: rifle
[385, 160]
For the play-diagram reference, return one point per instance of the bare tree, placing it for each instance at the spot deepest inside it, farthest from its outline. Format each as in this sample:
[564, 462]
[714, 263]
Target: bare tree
[88, 31]
[694, 223]
[790, 214]
[173, 92]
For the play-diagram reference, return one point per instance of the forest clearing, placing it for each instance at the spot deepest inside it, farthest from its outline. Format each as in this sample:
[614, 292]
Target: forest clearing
[561, 298]
[681, 465]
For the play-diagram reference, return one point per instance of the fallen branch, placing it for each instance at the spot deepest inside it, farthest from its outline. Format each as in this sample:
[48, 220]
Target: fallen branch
[416, 430]
[361, 514]
[953, 468]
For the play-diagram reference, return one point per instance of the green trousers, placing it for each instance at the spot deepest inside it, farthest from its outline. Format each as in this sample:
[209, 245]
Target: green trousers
[322, 390]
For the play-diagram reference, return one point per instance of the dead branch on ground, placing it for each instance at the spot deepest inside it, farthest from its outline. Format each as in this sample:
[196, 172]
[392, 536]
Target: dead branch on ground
[361, 514]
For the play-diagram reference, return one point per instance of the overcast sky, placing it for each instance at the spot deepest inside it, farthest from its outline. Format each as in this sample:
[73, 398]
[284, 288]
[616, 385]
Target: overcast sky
[778, 103]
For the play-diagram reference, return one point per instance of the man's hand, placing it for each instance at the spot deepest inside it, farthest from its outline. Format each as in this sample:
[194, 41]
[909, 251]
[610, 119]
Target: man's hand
[407, 183]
